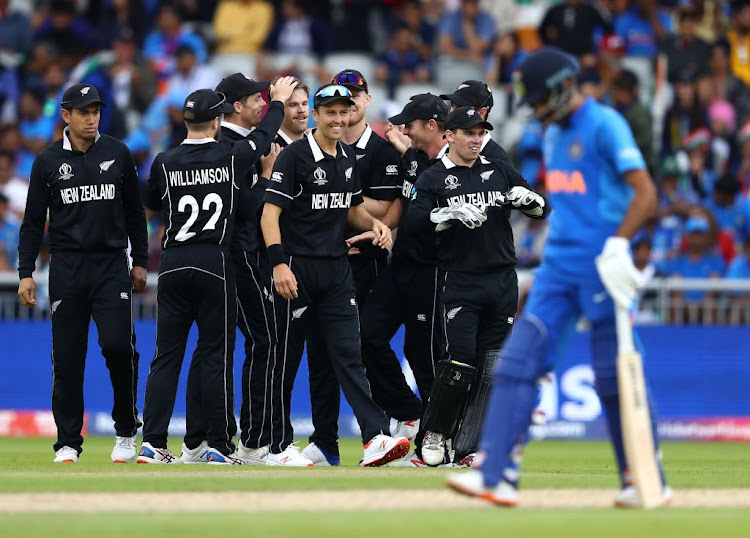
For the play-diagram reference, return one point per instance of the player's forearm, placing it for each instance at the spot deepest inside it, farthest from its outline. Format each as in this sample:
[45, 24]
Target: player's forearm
[642, 206]
[32, 227]
[359, 219]
[376, 208]
[269, 224]
[393, 215]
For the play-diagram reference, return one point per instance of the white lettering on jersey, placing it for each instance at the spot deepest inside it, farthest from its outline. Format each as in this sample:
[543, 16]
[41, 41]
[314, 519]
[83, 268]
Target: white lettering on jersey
[87, 193]
[491, 198]
[406, 189]
[331, 200]
[200, 176]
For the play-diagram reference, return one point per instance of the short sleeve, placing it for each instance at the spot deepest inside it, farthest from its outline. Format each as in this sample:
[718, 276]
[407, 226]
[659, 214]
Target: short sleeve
[280, 190]
[385, 174]
[617, 144]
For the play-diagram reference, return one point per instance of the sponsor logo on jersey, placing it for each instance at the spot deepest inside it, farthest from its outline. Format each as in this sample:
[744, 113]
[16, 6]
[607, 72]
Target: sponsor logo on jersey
[413, 168]
[297, 313]
[391, 170]
[511, 320]
[124, 295]
[353, 301]
[421, 317]
[486, 175]
[320, 176]
[453, 311]
[104, 165]
[278, 177]
[451, 182]
[66, 171]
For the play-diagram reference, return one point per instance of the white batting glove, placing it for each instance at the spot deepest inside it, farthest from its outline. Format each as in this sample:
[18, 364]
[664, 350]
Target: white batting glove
[526, 200]
[618, 273]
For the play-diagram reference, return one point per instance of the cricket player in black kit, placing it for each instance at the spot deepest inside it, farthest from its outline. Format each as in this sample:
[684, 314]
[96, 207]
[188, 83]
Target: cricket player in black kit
[463, 197]
[89, 183]
[315, 193]
[196, 187]
[380, 177]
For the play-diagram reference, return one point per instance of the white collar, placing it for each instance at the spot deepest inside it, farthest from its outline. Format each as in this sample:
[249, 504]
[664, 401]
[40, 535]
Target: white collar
[285, 137]
[442, 151]
[317, 152]
[450, 164]
[197, 141]
[67, 146]
[239, 129]
[485, 139]
[365, 138]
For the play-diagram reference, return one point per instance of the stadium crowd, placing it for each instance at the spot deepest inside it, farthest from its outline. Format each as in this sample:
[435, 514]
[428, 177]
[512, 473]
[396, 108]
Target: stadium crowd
[678, 70]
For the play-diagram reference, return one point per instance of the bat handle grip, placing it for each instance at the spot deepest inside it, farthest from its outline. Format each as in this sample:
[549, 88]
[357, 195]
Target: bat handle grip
[624, 326]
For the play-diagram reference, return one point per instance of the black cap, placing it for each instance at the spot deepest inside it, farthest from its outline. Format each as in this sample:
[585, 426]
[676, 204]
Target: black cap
[465, 117]
[423, 106]
[237, 86]
[203, 105]
[80, 96]
[352, 79]
[331, 93]
[471, 93]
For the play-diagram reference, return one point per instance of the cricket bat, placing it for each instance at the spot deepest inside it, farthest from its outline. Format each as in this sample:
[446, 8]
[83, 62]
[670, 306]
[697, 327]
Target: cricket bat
[635, 417]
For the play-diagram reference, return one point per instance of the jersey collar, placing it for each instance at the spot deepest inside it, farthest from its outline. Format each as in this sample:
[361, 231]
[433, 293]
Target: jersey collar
[450, 164]
[442, 151]
[485, 140]
[67, 146]
[365, 138]
[197, 141]
[318, 154]
[239, 129]
[284, 137]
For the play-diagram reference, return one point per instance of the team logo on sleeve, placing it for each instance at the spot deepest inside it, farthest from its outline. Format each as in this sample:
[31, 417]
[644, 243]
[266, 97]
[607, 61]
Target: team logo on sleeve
[104, 165]
[278, 177]
[66, 171]
[320, 176]
[451, 182]
[413, 169]
[575, 150]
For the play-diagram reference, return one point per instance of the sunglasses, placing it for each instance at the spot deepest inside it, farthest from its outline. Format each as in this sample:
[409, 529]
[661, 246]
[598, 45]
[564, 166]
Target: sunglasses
[334, 90]
[350, 78]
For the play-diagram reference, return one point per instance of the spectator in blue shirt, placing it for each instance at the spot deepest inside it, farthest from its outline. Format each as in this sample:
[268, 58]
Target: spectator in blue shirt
[425, 31]
[468, 33]
[699, 261]
[728, 208]
[401, 62]
[37, 130]
[740, 301]
[9, 229]
[642, 27]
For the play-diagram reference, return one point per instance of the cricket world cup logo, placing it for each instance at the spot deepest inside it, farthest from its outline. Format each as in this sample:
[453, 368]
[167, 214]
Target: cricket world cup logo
[66, 171]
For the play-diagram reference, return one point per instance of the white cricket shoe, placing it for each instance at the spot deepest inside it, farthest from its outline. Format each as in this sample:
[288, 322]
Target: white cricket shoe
[407, 428]
[433, 448]
[471, 483]
[628, 497]
[411, 460]
[382, 449]
[290, 457]
[125, 450]
[66, 455]
[195, 455]
[215, 457]
[151, 454]
[253, 456]
[321, 459]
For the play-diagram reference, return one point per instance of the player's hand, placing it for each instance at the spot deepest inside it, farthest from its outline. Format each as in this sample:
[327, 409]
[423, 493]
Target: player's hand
[138, 276]
[382, 234]
[467, 214]
[618, 273]
[285, 281]
[526, 200]
[397, 139]
[267, 161]
[27, 291]
[282, 90]
[364, 236]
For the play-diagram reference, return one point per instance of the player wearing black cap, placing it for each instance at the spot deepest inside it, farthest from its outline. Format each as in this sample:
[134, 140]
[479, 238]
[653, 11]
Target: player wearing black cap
[378, 167]
[89, 184]
[196, 187]
[467, 198]
[478, 95]
[315, 193]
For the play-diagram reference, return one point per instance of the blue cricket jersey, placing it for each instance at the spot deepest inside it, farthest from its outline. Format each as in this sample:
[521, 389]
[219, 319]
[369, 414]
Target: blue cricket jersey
[585, 161]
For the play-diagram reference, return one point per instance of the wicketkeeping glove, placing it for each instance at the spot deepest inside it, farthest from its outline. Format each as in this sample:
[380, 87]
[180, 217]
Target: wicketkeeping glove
[467, 214]
[618, 273]
[526, 200]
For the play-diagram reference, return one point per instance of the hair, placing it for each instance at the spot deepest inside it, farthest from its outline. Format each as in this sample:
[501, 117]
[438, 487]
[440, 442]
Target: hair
[8, 154]
[300, 85]
[199, 126]
[625, 80]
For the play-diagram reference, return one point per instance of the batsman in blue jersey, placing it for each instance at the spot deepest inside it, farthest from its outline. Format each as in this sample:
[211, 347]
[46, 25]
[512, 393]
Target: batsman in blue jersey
[602, 193]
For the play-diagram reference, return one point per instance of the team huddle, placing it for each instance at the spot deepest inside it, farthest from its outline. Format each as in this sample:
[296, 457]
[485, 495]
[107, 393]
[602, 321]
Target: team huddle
[285, 233]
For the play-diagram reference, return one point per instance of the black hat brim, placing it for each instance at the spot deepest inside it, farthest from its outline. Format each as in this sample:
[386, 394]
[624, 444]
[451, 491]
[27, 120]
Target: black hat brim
[323, 101]
[457, 99]
[84, 103]
[401, 119]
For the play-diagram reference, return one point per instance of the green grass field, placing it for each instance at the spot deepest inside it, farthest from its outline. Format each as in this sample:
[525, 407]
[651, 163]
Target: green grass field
[26, 471]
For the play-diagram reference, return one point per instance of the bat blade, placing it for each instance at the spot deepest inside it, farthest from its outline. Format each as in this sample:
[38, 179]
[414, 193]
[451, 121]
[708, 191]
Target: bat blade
[636, 429]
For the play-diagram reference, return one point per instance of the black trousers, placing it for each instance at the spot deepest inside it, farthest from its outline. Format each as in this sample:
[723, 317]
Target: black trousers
[326, 300]
[255, 319]
[195, 285]
[325, 393]
[478, 312]
[406, 295]
[84, 286]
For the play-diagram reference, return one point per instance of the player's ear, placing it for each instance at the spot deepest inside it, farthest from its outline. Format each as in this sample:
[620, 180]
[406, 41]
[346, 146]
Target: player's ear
[65, 114]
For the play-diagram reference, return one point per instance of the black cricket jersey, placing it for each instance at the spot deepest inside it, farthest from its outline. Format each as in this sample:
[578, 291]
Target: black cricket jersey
[247, 236]
[315, 190]
[282, 139]
[494, 151]
[413, 248]
[480, 250]
[93, 199]
[380, 174]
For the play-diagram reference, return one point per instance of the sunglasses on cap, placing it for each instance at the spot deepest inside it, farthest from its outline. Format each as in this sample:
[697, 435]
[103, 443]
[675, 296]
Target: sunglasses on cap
[350, 78]
[333, 90]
